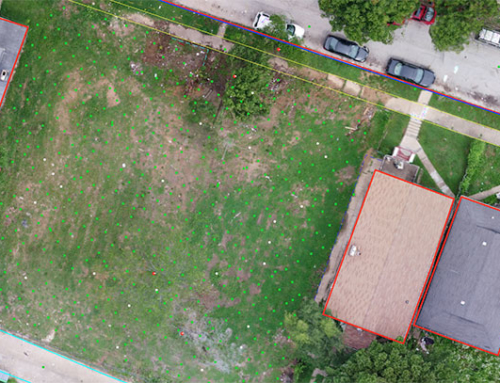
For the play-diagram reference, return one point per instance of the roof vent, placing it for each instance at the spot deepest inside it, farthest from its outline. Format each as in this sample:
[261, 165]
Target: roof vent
[462, 303]
[484, 243]
[353, 251]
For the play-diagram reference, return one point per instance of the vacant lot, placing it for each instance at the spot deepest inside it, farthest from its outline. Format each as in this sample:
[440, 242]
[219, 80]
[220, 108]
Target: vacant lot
[144, 229]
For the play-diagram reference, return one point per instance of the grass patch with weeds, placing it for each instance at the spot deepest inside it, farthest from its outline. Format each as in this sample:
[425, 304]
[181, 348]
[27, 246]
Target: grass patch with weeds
[447, 151]
[143, 242]
[468, 112]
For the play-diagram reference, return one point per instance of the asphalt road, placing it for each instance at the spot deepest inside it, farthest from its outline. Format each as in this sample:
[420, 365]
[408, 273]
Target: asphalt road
[472, 75]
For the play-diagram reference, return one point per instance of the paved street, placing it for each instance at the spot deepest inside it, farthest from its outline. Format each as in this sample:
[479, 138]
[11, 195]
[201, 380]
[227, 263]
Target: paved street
[37, 365]
[472, 75]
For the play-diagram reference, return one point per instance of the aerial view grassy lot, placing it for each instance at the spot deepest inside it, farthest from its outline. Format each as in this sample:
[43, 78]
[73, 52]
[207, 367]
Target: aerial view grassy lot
[145, 230]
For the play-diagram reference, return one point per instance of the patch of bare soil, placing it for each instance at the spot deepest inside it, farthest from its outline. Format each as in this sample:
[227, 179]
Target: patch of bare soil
[346, 174]
[254, 289]
[121, 27]
[164, 51]
[374, 95]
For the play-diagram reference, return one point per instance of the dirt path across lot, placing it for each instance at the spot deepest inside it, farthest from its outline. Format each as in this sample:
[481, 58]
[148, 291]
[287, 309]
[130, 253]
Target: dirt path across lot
[34, 364]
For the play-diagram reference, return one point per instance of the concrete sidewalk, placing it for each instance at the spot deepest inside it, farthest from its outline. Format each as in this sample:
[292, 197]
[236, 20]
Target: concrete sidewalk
[482, 195]
[35, 364]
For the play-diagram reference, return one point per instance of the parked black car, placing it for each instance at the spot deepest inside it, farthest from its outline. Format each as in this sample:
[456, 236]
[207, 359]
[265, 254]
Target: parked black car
[409, 72]
[346, 48]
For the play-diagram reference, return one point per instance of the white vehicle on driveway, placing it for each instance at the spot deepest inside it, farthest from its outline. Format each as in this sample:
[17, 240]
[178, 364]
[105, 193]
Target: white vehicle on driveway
[262, 20]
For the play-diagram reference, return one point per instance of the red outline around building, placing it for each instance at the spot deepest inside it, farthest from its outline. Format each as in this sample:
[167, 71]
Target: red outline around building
[428, 273]
[429, 284]
[17, 58]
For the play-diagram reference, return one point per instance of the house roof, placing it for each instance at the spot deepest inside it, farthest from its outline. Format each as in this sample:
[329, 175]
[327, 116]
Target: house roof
[12, 37]
[463, 299]
[397, 232]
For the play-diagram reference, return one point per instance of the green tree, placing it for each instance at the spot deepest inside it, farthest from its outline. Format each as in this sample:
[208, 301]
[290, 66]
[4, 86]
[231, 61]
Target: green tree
[456, 20]
[316, 338]
[475, 160]
[247, 91]
[394, 362]
[363, 20]
[277, 29]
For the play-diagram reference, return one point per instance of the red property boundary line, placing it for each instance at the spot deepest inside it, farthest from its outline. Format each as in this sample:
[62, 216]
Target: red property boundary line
[428, 273]
[432, 276]
[328, 56]
[17, 58]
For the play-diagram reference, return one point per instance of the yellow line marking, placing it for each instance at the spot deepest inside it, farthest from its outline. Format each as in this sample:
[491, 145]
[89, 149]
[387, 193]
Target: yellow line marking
[291, 75]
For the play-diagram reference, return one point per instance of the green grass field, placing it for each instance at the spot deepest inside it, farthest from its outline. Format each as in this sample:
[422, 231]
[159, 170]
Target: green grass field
[145, 231]
[447, 151]
[468, 112]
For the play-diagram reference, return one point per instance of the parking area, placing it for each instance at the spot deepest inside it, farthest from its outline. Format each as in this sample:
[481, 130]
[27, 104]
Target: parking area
[471, 75]
[12, 36]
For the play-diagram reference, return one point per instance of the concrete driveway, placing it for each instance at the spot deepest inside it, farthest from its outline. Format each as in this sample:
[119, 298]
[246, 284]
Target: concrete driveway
[472, 75]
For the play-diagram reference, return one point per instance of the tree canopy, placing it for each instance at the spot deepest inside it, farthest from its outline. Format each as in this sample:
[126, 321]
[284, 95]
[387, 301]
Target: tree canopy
[456, 20]
[391, 362]
[315, 336]
[363, 20]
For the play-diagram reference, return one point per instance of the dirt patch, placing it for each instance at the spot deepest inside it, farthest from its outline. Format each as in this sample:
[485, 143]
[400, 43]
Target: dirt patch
[112, 97]
[213, 261]
[346, 174]
[254, 289]
[374, 96]
[120, 27]
[242, 275]
[164, 51]
[225, 239]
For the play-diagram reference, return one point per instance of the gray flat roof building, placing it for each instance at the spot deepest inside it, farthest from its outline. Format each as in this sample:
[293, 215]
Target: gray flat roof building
[12, 37]
[463, 299]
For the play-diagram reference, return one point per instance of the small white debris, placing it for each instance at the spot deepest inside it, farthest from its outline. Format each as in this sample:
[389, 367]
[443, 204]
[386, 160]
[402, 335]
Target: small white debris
[326, 156]
[124, 165]
[45, 159]
[264, 263]
[156, 76]
[301, 206]
[274, 221]
[129, 305]
[156, 289]
[269, 242]
[117, 346]
[162, 180]
[60, 186]
[25, 277]
[484, 243]
[53, 173]
[317, 143]
[462, 303]
[93, 273]
[201, 123]
[250, 148]
[34, 202]
[248, 326]
[216, 273]
[201, 369]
